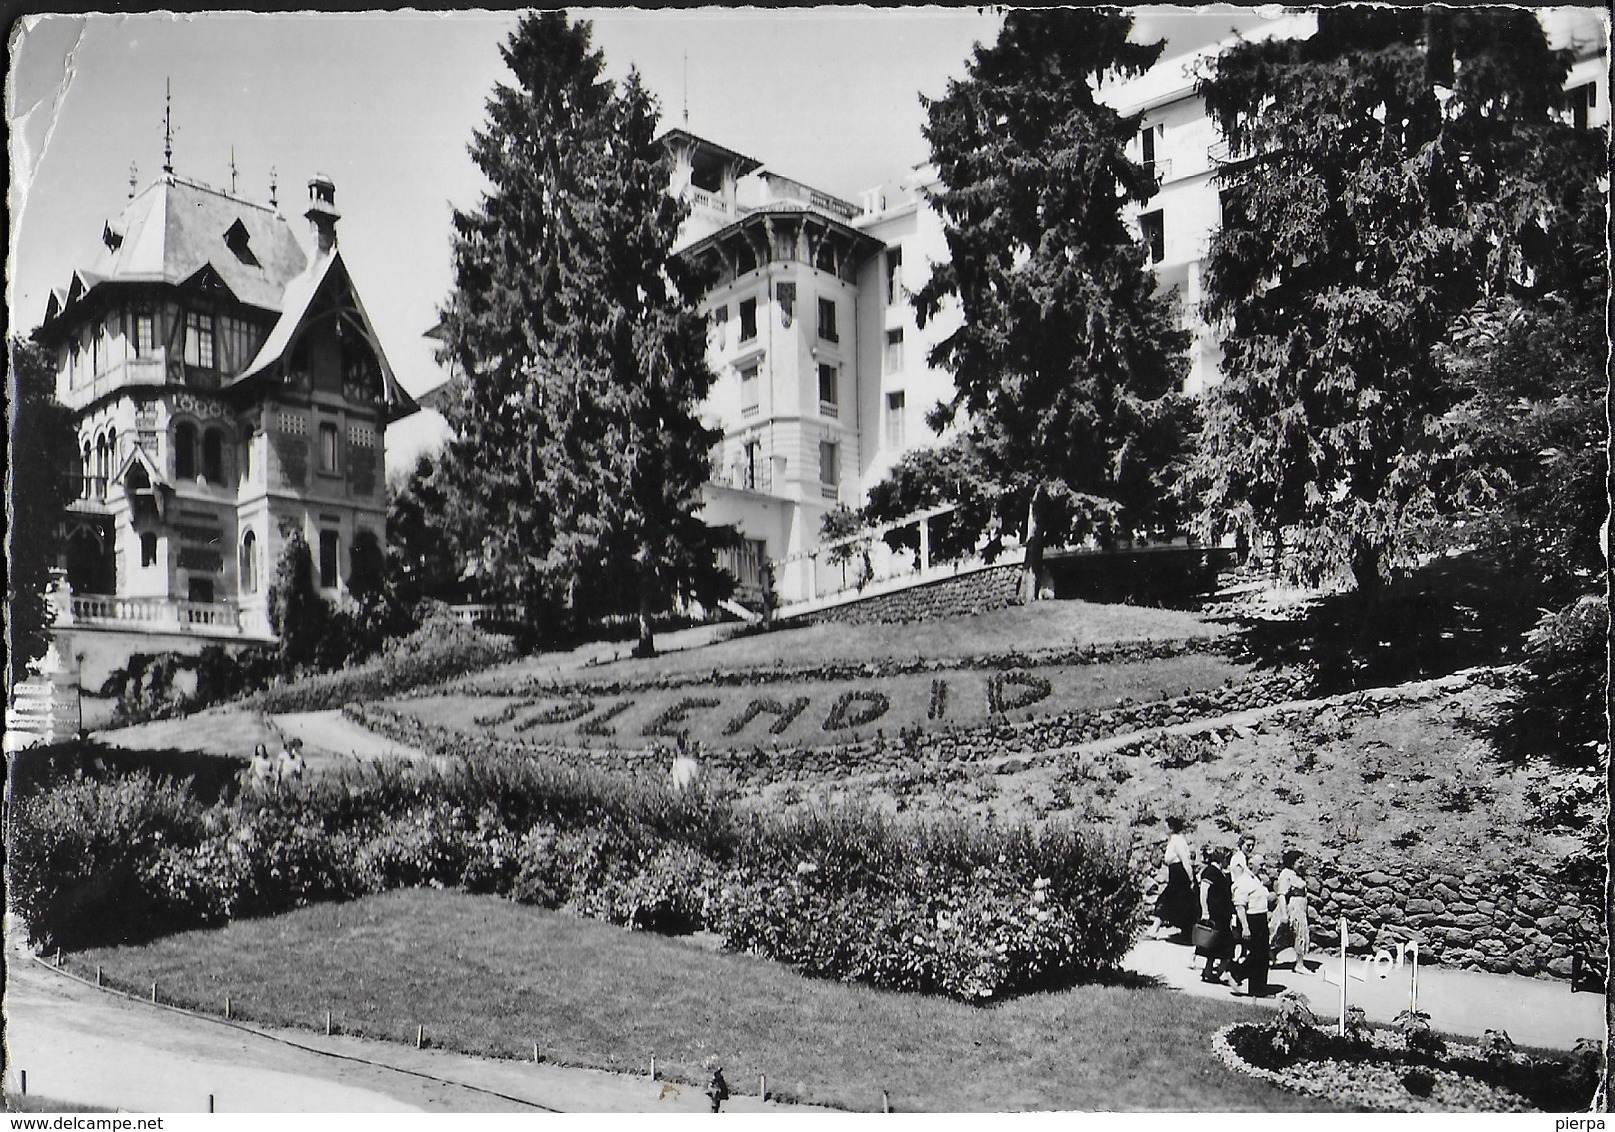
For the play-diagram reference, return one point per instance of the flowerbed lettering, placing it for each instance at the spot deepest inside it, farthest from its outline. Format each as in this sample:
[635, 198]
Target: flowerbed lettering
[784, 714]
[663, 724]
[842, 714]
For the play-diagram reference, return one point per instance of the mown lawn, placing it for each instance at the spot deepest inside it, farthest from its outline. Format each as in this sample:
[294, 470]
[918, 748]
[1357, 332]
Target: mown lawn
[709, 709]
[1021, 629]
[487, 976]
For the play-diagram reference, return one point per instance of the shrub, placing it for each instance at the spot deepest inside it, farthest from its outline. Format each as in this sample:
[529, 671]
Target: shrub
[441, 649]
[1557, 707]
[940, 907]
[84, 854]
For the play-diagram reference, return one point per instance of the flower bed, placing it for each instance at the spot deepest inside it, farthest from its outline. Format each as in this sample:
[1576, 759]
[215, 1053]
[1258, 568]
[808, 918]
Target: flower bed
[940, 907]
[1408, 1071]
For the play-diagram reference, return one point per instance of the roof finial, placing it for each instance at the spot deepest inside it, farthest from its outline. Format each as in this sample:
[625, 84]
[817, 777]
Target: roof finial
[274, 189]
[686, 89]
[168, 127]
[232, 170]
[134, 178]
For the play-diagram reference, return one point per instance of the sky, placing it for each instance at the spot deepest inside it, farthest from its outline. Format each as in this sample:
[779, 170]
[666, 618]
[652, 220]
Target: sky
[386, 103]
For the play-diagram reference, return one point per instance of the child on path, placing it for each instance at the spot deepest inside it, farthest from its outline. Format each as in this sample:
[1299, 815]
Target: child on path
[717, 1087]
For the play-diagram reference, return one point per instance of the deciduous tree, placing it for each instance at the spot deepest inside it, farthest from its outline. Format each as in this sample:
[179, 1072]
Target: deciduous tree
[1068, 359]
[578, 452]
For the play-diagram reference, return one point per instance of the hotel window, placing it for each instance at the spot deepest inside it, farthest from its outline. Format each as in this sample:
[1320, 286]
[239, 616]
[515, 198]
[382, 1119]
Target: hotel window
[328, 447]
[330, 542]
[827, 320]
[754, 458]
[198, 340]
[748, 390]
[1152, 228]
[829, 394]
[720, 325]
[1147, 148]
[894, 350]
[148, 550]
[894, 275]
[829, 463]
[145, 336]
[785, 295]
[748, 319]
[896, 406]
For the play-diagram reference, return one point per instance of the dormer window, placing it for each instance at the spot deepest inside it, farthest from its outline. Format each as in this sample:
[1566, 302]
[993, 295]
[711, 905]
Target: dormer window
[239, 241]
[111, 237]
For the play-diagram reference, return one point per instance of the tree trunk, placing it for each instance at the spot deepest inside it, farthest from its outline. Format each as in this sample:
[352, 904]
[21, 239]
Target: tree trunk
[647, 635]
[1365, 570]
[1034, 548]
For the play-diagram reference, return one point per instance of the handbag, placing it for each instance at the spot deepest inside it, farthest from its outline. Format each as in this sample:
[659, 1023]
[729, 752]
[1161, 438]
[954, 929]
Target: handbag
[1209, 939]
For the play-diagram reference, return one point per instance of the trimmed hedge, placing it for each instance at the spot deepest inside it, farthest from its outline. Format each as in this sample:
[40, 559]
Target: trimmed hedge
[975, 914]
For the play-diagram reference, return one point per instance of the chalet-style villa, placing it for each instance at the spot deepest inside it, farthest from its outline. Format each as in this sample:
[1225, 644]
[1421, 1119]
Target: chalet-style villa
[229, 389]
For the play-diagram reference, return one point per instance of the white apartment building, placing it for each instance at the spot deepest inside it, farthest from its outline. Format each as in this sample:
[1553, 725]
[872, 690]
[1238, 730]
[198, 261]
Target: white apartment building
[823, 382]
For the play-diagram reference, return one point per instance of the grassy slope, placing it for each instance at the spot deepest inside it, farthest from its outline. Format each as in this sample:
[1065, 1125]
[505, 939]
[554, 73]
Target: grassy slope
[484, 975]
[1048, 625]
[1408, 782]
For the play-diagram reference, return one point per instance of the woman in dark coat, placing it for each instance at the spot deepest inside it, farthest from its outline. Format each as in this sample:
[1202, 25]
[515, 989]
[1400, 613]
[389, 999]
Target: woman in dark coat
[1216, 912]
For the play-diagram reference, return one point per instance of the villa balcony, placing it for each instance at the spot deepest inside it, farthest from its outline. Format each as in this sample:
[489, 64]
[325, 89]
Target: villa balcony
[224, 619]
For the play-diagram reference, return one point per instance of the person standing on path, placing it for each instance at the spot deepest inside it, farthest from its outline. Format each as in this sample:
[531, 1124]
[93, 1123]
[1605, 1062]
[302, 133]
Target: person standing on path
[1177, 906]
[1216, 915]
[290, 771]
[1290, 906]
[1250, 909]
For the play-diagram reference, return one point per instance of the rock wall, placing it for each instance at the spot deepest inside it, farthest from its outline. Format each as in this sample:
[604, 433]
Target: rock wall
[1471, 918]
[996, 587]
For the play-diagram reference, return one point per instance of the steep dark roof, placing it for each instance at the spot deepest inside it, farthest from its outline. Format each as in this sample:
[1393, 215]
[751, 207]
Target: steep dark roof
[174, 227]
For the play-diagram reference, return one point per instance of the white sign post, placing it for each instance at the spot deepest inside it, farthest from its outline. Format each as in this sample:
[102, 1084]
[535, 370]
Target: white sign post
[1343, 974]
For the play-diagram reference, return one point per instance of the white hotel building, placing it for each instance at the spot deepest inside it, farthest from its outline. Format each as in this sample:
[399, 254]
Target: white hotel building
[822, 375]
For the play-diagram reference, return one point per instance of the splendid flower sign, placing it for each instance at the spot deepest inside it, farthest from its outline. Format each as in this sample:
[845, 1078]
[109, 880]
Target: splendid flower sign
[732, 714]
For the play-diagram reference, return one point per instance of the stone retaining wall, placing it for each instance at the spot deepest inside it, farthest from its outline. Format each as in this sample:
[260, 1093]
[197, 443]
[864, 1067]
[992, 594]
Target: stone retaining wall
[1472, 918]
[997, 587]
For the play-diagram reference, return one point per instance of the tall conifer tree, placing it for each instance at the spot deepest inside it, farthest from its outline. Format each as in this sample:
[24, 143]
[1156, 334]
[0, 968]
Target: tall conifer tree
[1068, 360]
[41, 479]
[579, 456]
[1386, 174]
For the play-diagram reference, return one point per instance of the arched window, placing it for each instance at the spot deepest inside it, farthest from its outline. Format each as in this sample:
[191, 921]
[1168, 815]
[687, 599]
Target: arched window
[184, 451]
[249, 563]
[88, 470]
[100, 467]
[213, 456]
